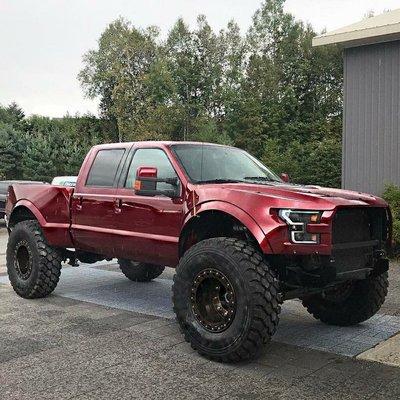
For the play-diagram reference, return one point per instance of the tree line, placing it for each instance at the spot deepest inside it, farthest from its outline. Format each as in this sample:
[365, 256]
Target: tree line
[266, 90]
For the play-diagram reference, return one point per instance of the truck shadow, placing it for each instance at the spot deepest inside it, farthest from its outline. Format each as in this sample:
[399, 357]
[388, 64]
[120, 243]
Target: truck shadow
[105, 285]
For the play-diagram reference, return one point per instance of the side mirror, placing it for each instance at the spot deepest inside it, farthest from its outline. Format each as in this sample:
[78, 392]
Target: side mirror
[146, 183]
[285, 177]
[142, 182]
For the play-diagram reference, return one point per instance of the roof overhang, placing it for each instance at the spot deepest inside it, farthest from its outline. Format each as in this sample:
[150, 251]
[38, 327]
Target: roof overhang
[382, 28]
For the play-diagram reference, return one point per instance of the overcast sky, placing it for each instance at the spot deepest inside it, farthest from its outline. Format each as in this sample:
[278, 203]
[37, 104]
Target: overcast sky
[42, 41]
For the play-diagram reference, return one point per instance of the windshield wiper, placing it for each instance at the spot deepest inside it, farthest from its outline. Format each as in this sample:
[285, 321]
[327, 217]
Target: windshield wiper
[221, 180]
[259, 178]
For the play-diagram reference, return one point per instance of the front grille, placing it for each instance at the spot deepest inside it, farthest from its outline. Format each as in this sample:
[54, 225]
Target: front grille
[357, 225]
[357, 234]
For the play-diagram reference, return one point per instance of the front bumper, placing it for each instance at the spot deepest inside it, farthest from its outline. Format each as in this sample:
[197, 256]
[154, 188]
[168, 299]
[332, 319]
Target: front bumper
[311, 273]
[353, 246]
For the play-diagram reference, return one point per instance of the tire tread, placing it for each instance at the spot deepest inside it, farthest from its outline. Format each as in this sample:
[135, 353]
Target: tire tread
[140, 272]
[49, 267]
[264, 284]
[365, 301]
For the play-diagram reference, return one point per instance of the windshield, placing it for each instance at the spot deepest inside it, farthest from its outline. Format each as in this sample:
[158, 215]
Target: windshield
[208, 163]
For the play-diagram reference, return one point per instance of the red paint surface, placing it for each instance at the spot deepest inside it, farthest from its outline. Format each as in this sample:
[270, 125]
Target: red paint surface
[116, 222]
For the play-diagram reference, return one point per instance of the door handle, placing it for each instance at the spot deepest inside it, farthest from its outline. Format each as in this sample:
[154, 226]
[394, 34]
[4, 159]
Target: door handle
[79, 204]
[117, 206]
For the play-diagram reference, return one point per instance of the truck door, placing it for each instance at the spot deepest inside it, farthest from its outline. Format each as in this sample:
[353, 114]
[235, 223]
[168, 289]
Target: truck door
[94, 207]
[149, 226]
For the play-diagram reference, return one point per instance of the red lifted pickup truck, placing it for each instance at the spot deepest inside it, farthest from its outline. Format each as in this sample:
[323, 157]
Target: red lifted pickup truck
[243, 240]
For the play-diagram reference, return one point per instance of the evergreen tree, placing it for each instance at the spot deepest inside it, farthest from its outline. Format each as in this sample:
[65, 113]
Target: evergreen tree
[12, 146]
[12, 115]
[40, 159]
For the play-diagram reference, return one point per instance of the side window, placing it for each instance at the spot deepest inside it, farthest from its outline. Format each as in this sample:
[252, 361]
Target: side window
[151, 158]
[104, 168]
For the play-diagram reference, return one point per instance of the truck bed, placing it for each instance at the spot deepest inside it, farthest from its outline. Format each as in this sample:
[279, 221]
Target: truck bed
[4, 190]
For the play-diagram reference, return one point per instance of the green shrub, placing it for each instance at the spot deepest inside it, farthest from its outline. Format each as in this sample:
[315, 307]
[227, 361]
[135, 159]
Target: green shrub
[314, 163]
[396, 234]
[392, 195]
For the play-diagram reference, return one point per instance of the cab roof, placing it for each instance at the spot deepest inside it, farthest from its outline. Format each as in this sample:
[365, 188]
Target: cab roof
[156, 143]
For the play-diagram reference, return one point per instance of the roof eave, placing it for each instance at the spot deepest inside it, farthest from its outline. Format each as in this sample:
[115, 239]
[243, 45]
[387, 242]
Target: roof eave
[361, 37]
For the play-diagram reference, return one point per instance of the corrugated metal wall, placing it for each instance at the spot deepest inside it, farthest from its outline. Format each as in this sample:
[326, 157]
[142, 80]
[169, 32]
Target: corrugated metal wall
[371, 141]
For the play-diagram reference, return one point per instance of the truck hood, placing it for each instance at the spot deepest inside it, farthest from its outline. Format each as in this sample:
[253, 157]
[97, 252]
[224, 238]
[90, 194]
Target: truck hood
[290, 195]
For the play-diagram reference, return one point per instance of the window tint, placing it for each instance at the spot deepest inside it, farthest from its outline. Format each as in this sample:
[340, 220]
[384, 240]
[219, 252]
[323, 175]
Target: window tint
[104, 168]
[151, 158]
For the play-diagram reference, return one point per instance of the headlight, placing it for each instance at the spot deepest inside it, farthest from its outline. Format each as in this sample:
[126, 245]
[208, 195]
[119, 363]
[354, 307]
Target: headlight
[298, 221]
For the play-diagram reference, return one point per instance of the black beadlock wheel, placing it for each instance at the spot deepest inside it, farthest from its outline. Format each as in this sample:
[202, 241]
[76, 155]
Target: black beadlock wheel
[226, 299]
[33, 266]
[140, 272]
[350, 303]
[213, 300]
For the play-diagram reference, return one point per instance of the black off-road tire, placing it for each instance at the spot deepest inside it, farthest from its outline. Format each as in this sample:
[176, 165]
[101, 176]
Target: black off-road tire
[363, 301]
[257, 304]
[33, 266]
[140, 272]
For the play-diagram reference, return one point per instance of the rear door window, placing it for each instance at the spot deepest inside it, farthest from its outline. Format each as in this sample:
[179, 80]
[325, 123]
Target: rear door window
[104, 168]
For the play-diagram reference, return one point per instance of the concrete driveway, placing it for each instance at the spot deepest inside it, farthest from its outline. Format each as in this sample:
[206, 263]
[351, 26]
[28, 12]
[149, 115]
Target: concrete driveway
[102, 336]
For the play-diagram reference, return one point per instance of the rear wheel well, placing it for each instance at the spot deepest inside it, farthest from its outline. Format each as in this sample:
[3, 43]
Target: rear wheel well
[210, 224]
[20, 214]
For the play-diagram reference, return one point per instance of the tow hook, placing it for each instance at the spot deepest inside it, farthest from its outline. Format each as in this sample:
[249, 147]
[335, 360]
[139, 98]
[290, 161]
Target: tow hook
[73, 262]
[381, 266]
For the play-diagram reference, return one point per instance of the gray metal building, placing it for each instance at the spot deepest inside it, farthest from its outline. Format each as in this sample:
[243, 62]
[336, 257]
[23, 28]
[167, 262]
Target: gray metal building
[371, 127]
